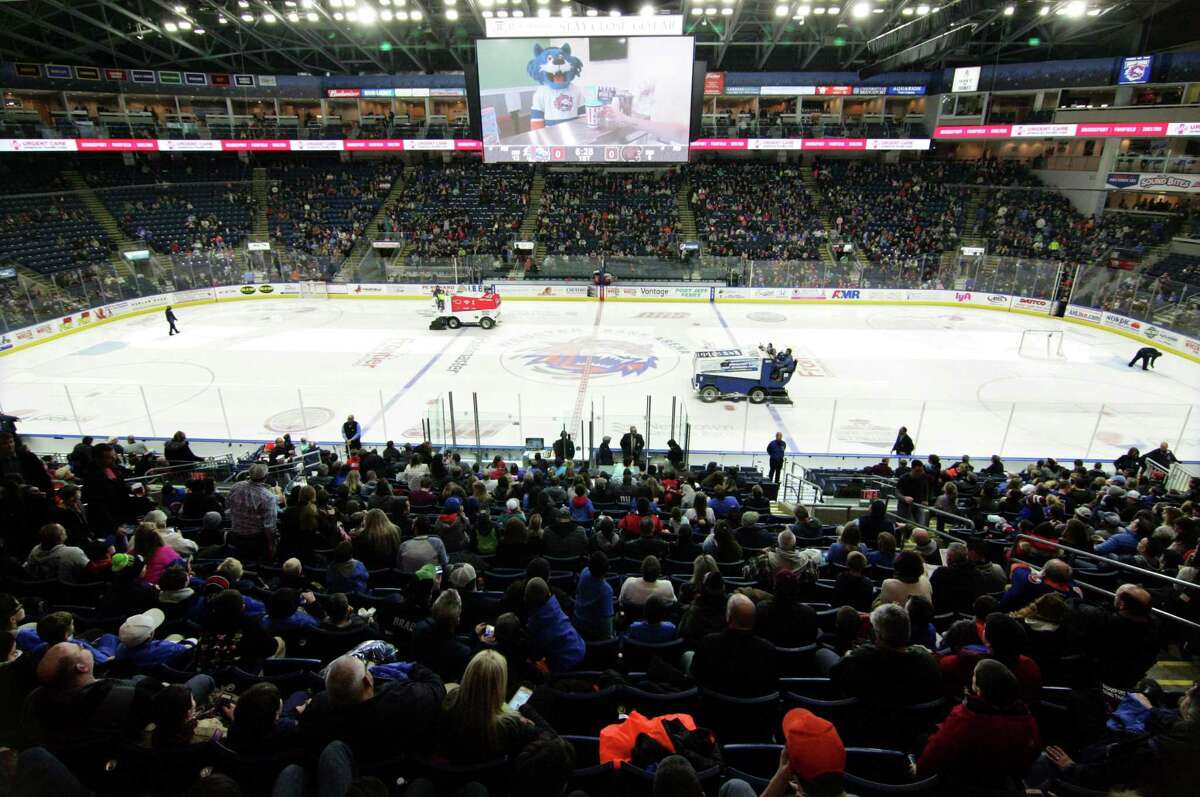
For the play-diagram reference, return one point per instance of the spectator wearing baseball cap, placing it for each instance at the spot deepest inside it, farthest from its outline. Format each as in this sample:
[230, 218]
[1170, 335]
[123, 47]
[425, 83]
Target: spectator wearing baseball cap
[813, 755]
[139, 651]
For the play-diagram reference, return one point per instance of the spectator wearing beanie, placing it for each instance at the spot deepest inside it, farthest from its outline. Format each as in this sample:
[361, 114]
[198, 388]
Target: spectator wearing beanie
[452, 525]
[813, 755]
[991, 718]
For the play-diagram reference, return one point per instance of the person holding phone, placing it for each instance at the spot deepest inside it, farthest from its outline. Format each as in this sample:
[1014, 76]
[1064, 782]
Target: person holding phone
[477, 723]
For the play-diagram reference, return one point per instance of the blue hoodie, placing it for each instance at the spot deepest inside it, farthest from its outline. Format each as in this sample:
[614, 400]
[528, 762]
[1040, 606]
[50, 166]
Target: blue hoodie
[593, 599]
[1123, 543]
[102, 650]
[348, 577]
[554, 637]
[153, 653]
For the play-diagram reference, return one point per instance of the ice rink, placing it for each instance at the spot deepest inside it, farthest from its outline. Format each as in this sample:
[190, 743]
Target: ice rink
[251, 370]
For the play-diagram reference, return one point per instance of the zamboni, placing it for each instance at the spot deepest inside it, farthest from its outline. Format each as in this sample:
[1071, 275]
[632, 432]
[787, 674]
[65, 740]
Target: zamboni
[482, 309]
[732, 373]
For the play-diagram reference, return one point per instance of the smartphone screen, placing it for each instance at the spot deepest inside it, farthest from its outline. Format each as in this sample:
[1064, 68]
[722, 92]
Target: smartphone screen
[520, 698]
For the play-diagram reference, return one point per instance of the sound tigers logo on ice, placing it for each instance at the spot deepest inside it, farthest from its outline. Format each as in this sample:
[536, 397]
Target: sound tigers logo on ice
[607, 357]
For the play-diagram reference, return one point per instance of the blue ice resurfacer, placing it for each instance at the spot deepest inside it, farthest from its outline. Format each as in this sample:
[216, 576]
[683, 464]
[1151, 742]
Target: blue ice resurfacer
[732, 373]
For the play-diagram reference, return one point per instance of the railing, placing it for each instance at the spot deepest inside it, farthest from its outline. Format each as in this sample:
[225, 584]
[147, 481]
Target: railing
[1143, 573]
[1159, 300]
[797, 489]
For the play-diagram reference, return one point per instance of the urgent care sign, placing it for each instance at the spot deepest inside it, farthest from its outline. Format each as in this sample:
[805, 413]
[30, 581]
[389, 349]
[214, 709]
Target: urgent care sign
[1071, 130]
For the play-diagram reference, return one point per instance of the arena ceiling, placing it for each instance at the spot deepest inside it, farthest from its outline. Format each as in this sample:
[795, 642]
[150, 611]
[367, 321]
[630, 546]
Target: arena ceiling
[389, 36]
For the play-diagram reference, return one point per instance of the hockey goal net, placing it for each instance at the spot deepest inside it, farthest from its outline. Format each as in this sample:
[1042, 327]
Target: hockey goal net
[314, 289]
[1043, 344]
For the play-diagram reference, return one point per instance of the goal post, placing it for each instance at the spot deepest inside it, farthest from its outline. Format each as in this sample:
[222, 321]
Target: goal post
[1041, 343]
[314, 289]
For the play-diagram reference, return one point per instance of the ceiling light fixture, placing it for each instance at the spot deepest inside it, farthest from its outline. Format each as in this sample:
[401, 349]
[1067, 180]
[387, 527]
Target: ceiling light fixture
[311, 16]
[184, 24]
[861, 10]
[451, 14]
[247, 17]
[647, 10]
[170, 27]
[781, 11]
[1009, 11]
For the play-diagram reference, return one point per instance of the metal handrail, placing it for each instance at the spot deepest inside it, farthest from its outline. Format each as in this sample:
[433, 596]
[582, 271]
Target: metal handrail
[224, 460]
[1086, 587]
[1113, 562]
[970, 524]
[910, 522]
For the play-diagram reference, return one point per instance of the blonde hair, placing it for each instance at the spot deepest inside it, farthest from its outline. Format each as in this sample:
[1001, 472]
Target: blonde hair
[308, 508]
[702, 565]
[534, 529]
[478, 703]
[354, 482]
[379, 533]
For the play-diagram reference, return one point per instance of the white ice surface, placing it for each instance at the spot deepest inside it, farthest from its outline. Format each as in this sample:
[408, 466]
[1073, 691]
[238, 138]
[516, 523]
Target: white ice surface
[952, 375]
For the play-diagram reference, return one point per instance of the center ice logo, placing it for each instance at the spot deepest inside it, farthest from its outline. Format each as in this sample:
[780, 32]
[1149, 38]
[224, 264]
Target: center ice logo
[600, 357]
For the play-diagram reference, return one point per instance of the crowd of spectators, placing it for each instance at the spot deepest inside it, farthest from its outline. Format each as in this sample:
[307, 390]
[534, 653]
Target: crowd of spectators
[321, 208]
[459, 209]
[432, 590]
[889, 212]
[758, 211]
[631, 213]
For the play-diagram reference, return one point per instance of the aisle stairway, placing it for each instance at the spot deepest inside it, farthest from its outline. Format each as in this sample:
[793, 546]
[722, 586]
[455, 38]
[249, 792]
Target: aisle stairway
[969, 235]
[101, 214]
[810, 185]
[529, 225]
[261, 191]
[687, 219]
[362, 247]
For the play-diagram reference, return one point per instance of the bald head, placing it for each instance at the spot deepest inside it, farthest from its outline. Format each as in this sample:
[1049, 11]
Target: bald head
[1133, 600]
[739, 612]
[65, 666]
[348, 681]
[1058, 570]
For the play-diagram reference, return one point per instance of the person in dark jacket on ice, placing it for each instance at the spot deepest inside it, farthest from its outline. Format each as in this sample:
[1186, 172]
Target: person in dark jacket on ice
[904, 444]
[1147, 355]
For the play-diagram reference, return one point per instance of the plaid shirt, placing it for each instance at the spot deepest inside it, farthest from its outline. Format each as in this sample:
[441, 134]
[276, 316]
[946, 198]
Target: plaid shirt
[252, 507]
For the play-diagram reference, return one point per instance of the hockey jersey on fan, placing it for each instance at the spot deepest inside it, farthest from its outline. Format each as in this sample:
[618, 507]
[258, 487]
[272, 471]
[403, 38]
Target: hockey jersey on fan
[555, 106]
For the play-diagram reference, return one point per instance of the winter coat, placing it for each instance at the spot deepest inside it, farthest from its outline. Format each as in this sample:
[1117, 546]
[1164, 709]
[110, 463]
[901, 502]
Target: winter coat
[979, 743]
[552, 636]
[349, 577]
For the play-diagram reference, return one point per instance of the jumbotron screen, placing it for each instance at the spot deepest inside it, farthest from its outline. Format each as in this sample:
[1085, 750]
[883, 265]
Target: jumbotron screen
[586, 100]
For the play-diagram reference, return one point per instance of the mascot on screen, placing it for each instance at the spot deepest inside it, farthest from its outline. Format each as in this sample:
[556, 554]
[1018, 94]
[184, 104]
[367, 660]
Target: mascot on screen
[557, 98]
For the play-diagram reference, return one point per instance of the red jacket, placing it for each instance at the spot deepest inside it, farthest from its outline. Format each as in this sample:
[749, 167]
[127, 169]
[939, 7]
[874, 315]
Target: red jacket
[982, 744]
[957, 670]
[631, 524]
